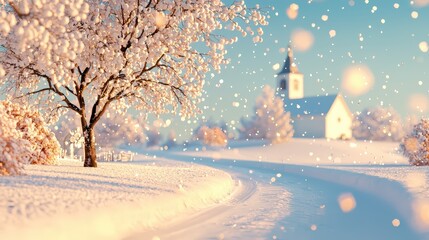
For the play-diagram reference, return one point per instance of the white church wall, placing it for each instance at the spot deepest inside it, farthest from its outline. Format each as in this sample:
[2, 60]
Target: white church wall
[334, 124]
[309, 127]
[339, 121]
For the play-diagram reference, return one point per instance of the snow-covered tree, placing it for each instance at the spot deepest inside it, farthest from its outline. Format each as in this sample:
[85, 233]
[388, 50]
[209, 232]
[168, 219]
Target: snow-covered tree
[14, 150]
[171, 140]
[212, 136]
[270, 121]
[90, 55]
[415, 146]
[68, 132]
[119, 130]
[249, 128]
[379, 123]
[113, 130]
[153, 136]
[44, 146]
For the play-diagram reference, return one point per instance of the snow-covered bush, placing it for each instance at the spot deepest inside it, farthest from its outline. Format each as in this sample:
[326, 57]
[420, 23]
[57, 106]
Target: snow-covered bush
[415, 146]
[44, 147]
[270, 121]
[210, 123]
[14, 151]
[212, 136]
[380, 124]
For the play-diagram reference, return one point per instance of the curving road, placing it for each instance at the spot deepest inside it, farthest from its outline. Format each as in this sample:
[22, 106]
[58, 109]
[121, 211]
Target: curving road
[271, 204]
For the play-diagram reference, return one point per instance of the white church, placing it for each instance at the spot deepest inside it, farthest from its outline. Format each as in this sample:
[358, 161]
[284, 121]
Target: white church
[325, 116]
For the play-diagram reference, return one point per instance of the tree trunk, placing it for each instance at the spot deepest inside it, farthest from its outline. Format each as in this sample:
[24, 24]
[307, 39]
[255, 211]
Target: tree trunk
[90, 158]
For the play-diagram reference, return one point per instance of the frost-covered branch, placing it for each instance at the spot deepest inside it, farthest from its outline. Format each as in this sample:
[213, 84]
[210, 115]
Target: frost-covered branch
[96, 54]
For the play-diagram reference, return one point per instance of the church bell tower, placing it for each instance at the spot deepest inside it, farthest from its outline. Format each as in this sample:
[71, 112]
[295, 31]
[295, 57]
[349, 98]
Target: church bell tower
[290, 82]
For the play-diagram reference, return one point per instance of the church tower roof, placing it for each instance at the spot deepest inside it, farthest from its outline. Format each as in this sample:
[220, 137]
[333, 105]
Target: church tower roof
[289, 66]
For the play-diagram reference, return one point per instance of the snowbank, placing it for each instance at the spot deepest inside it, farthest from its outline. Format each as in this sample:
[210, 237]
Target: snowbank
[71, 202]
[413, 178]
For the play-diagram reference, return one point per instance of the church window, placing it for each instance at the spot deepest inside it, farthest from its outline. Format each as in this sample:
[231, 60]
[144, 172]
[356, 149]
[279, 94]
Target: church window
[295, 85]
[282, 84]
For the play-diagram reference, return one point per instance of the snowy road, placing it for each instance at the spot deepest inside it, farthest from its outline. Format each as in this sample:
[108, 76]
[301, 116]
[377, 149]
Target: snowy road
[274, 204]
[247, 215]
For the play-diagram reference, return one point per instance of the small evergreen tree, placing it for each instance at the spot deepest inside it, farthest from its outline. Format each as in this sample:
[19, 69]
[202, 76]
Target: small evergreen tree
[415, 146]
[270, 121]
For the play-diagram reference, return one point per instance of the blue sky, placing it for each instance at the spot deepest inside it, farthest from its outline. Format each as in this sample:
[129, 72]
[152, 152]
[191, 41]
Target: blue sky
[380, 34]
[374, 33]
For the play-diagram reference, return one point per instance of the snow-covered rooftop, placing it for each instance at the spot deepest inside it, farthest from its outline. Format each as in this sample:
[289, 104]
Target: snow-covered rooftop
[289, 66]
[311, 106]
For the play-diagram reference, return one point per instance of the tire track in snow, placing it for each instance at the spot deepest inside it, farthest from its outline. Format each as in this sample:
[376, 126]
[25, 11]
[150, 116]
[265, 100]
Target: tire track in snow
[245, 216]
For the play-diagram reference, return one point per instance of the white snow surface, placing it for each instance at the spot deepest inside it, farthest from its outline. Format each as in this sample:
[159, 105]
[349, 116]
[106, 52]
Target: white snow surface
[313, 152]
[69, 201]
[371, 169]
[259, 191]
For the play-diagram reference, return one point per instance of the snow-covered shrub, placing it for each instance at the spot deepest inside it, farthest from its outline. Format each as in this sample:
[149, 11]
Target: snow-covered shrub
[14, 151]
[270, 121]
[44, 147]
[210, 123]
[380, 124]
[415, 146]
[212, 136]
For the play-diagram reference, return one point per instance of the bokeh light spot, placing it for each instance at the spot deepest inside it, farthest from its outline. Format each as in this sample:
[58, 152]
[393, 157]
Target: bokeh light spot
[396, 222]
[424, 46]
[357, 80]
[347, 202]
[292, 11]
[418, 103]
[302, 40]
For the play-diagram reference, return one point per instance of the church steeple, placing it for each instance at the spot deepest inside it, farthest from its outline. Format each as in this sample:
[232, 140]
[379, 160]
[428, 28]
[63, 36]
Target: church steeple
[289, 66]
[290, 82]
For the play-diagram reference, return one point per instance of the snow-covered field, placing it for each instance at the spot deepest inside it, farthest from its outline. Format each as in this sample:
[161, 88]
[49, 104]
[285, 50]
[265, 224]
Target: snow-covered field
[69, 201]
[302, 189]
[308, 152]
